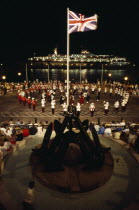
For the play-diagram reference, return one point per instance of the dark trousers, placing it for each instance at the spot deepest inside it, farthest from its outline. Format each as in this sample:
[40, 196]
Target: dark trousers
[78, 113]
[53, 111]
[106, 111]
[24, 102]
[92, 113]
[29, 106]
[34, 107]
[116, 109]
[123, 108]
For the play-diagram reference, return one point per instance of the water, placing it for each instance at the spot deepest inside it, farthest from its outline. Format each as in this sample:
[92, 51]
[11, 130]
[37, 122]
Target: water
[91, 75]
[75, 75]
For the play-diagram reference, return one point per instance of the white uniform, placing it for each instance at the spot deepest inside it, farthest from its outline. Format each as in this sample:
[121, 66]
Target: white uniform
[116, 105]
[53, 104]
[106, 107]
[78, 109]
[92, 109]
[43, 102]
[65, 108]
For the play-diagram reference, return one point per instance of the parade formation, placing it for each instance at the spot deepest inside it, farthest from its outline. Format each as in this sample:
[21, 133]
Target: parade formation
[79, 94]
[41, 94]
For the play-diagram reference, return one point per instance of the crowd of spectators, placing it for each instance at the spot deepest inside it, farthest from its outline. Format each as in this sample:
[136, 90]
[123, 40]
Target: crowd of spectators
[13, 132]
[10, 133]
[127, 132]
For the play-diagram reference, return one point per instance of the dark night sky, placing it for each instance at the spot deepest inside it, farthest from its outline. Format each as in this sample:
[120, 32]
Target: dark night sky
[29, 27]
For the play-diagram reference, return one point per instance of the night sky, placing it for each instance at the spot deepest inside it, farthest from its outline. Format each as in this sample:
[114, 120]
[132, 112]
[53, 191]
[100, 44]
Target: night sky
[29, 27]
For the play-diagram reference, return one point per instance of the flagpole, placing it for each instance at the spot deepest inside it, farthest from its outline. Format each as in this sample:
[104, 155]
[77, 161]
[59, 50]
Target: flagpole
[26, 73]
[102, 74]
[67, 56]
[80, 73]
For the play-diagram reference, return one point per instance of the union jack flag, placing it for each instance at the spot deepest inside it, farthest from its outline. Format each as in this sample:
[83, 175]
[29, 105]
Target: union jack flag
[78, 22]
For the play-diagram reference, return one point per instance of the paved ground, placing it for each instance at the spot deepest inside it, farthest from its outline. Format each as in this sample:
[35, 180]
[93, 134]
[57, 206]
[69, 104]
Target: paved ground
[10, 108]
[120, 192]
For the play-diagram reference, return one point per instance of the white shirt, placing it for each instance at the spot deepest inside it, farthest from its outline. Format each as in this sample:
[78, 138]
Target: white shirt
[3, 129]
[107, 131]
[78, 107]
[7, 145]
[97, 127]
[92, 107]
[106, 106]
[65, 107]
[43, 102]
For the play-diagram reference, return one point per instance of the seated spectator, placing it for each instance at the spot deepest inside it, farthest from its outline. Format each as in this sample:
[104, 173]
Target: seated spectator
[6, 123]
[101, 129]
[136, 144]
[126, 129]
[33, 130]
[125, 134]
[25, 132]
[113, 123]
[9, 131]
[118, 129]
[13, 139]
[108, 131]
[132, 124]
[117, 123]
[116, 135]
[2, 135]
[19, 136]
[132, 137]
[122, 123]
[96, 126]
[16, 129]
[18, 122]
[6, 148]
[2, 128]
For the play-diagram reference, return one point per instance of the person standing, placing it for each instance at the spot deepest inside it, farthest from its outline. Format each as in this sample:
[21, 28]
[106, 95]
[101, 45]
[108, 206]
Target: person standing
[84, 95]
[78, 109]
[24, 100]
[123, 105]
[92, 109]
[62, 99]
[29, 102]
[116, 106]
[34, 103]
[105, 90]
[52, 97]
[53, 105]
[43, 102]
[81, 100]
[65, 108]
[43, 95]
[116, 92]
[106, 107]
[19, 98]
[71, 99]
[93, 89]
[110, 91]
[98, 93]
[87, 97]
[29, 196]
